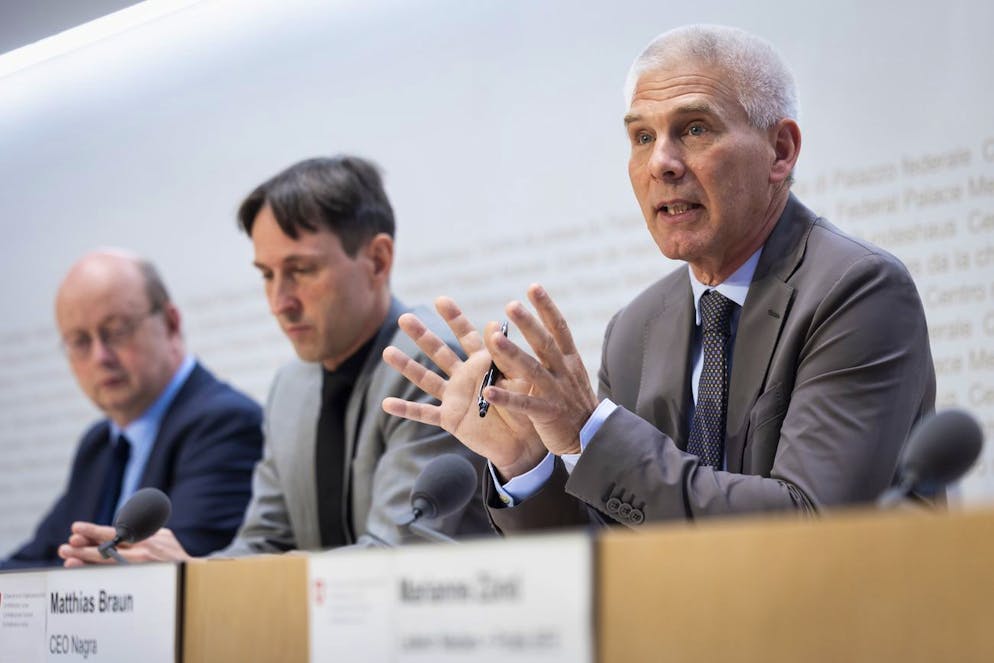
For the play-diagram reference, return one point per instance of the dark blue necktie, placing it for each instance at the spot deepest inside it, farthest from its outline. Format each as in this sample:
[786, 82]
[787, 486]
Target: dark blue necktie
[707, 432]
[113, 479]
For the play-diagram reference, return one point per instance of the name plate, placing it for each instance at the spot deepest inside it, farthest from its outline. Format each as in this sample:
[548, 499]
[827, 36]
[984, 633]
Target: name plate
[23, 603]
[521, 600]
[118, 613]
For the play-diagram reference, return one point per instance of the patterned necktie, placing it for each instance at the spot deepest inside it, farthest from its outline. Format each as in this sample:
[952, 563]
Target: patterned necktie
[707, 432]
[120, 454]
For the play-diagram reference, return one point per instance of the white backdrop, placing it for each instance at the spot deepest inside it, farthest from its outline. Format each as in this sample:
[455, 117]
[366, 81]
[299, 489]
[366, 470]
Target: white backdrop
[498, 125]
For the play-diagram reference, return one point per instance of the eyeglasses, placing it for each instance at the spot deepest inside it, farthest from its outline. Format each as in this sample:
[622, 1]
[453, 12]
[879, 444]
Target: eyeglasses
[114, 334]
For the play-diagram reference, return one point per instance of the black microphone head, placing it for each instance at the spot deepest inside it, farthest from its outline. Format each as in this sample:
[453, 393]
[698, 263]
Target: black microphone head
[142, 515]
[941, 449]
[445, 486]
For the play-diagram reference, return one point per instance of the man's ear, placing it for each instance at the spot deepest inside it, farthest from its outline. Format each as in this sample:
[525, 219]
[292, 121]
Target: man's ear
[379, 251]
[785, 137]
[171, 315]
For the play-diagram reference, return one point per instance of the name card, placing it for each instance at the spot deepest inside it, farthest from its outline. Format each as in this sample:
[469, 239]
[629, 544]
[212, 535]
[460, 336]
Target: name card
[522, 600]
[113, 613]
[22, 617]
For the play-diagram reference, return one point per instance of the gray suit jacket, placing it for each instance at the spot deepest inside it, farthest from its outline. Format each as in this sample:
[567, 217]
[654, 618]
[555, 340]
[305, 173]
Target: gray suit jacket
[383, 454]
[831, 369]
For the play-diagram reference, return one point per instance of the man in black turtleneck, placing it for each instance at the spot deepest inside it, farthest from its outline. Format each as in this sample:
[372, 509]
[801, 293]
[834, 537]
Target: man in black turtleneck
[336, 469]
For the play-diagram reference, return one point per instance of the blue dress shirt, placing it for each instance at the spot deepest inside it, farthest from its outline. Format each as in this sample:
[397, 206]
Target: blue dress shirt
[141, 432]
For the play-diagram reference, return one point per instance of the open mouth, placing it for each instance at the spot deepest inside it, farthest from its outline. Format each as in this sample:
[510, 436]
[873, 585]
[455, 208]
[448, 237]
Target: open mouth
[677, 208]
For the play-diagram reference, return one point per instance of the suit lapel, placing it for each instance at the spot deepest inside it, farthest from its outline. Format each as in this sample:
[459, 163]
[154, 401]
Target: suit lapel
[357, 399]
[355, 410]
[157, 469]
[93, 488]
[664, 392]
[763, 315]
[300, 409]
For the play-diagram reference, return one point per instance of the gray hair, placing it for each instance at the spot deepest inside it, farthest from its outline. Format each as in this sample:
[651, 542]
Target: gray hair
[764, 84]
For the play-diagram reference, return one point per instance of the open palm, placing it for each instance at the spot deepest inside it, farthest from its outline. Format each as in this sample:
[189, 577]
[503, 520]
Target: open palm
[505, 438]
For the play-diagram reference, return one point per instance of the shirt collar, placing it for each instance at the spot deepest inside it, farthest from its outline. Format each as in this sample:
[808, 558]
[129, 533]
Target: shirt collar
[735, 287]
[143, 430]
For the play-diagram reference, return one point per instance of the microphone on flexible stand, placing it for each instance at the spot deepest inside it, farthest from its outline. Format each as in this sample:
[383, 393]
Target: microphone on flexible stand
[445, 486]
[139, 518]
[939, 451]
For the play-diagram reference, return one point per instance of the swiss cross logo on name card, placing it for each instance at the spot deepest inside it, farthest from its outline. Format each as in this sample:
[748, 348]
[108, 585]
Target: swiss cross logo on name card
[319, 591]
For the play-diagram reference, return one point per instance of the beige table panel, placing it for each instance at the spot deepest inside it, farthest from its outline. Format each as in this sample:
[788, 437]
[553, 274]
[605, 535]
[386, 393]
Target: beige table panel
[246, 610]
[854, 587]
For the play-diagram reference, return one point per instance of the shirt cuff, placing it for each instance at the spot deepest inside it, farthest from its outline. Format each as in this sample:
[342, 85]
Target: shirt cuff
[524, 485]
[594, 423]
[597, 418]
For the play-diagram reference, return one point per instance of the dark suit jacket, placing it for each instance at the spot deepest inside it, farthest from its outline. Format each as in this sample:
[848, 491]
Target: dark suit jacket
[209, 441]
[831, 369]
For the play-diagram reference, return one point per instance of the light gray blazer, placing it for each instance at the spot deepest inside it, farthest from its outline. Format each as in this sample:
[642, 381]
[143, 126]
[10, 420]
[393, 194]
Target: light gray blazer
[831, 369]
[384, 455]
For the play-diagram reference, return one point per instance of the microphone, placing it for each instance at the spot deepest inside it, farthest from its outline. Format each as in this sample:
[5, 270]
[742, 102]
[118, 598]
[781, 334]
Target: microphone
[445, 486]
[139, 518]
[939, 451]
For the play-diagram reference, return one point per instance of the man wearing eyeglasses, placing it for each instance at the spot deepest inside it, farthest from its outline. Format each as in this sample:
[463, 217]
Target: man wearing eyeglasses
[169, 423]
[336, 470]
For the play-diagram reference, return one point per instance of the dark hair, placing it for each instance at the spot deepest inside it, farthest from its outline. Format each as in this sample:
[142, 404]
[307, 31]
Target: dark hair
[343, 194]
[155, 287]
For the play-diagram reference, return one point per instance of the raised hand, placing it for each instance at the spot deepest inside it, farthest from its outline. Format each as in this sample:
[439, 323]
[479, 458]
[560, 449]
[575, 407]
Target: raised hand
[504, 437]
[560, 399]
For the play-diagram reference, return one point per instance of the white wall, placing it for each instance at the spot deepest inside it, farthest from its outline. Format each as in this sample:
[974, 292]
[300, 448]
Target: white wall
[498, 125]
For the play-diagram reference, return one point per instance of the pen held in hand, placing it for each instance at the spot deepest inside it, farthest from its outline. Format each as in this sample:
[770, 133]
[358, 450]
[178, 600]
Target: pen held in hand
[490, 378]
